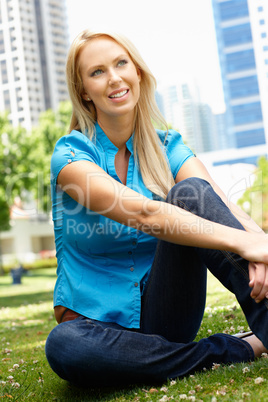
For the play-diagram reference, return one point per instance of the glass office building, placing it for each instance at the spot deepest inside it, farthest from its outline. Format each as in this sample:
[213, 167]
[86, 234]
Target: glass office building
[242, 38]
[33, 48]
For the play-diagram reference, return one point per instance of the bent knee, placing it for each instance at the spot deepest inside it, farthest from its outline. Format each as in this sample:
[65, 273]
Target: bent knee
[191, 188]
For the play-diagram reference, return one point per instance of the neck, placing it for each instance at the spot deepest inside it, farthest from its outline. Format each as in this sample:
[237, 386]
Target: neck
[118, 130]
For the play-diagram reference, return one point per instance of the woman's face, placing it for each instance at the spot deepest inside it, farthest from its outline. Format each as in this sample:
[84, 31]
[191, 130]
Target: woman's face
[110, 78]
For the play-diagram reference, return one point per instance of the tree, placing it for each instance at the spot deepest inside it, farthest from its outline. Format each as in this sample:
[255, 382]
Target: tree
[13, 153]
[52, 126]
[25, 160]
[255, 199]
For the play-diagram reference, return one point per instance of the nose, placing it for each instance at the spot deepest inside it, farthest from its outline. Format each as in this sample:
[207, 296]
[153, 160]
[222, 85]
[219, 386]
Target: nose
[114, 78]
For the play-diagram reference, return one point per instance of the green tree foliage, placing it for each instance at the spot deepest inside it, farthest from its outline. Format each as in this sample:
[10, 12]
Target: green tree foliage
[15, 165]
[52, 126]
[25, 156]
[255, 199]
[25, 160]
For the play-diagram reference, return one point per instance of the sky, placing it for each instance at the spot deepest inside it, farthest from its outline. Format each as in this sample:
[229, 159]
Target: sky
[176, 38]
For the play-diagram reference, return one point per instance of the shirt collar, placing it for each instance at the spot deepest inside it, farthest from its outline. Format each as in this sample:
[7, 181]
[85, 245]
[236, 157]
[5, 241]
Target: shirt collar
[107, 144]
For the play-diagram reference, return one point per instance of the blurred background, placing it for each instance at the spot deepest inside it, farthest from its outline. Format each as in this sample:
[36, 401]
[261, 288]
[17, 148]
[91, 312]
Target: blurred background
[210, 59]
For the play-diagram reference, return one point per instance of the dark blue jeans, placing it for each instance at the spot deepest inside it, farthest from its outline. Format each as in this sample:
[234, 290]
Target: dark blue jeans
[96, 353]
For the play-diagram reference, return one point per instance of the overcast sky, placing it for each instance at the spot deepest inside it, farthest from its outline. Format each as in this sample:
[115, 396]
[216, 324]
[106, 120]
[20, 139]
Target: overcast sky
[175, 37]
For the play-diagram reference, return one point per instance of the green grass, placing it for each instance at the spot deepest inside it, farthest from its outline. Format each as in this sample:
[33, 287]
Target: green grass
[26, 318]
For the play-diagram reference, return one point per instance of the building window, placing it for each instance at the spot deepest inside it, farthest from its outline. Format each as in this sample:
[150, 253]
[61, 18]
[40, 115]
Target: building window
[260, 8]
[2, 44]
[6, 99]
[262, 22]
[233, 9]
[266, 61]
[239, 61]
[247, 113]
[250, 138]
[263, 34]
[265, 48]
[244, 87]
[3, 67]
[237, 35]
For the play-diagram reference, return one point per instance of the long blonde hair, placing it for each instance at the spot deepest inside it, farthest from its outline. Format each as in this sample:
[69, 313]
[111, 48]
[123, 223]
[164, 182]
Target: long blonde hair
[148, 149]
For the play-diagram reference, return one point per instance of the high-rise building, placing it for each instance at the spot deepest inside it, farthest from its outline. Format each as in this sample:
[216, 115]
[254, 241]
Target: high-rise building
[242, 37]
[33, 48]
[184, 110]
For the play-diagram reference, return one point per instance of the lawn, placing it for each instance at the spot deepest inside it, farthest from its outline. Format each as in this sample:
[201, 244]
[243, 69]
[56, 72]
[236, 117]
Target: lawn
[26, 318]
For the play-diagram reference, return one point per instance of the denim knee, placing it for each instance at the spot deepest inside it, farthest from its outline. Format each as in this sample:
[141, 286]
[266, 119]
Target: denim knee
[191, 194]
[55, 351]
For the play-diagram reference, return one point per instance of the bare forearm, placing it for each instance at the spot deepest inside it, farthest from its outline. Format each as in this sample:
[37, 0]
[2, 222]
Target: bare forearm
[173, 224]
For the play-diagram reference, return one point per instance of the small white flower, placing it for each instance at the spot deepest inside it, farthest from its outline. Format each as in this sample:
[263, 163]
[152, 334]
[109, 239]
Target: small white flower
[35, 361]
[183, 396]
[21, 361]
[246, 370]
[164, 398]
[10, 370]
[10, 377]
[173, 382]
[215, 366]
[15, 366]
[23, 371]
[264, 355]
[164, 389]
[258, 380]
[16, 385]
[192, 392]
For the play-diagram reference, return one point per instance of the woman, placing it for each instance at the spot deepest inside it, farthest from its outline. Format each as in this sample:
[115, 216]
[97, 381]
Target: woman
[133, 246]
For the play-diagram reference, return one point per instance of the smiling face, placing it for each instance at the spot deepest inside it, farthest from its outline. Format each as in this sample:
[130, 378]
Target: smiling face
[110, 78]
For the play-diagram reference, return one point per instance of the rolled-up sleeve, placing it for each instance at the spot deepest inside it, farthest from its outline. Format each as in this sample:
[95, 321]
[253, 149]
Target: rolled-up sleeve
[71, 148]
[177, 152]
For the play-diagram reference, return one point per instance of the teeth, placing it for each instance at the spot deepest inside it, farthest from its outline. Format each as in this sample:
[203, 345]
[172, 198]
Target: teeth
[119, 94]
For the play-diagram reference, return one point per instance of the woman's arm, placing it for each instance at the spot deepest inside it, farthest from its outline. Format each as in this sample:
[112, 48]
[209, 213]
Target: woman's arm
[89, 185]
[257, 271]
[195, 168]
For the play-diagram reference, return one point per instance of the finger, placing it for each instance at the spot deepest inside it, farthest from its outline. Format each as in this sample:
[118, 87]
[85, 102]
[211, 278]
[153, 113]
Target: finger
[251, 272]
[260, 284]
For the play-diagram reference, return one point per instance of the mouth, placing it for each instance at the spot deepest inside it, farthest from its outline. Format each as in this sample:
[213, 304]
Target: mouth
[119, 94]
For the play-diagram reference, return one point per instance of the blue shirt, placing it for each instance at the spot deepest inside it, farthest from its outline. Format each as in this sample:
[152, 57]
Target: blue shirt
[103, 265]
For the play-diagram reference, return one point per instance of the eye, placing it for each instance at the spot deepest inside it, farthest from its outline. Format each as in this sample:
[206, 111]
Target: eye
[122, 63]
[96, 72]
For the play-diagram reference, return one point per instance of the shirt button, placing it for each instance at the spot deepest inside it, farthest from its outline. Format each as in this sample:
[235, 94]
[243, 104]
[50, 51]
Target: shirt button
[69, 160]
[136, 284]
[134, 243]
[131, 269]
[130, 252]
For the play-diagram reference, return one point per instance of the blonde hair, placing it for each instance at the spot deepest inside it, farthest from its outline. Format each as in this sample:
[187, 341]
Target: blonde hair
[148, 150]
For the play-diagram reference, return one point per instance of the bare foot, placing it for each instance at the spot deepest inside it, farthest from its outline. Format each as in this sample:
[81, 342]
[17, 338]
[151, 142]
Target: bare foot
[256, 345]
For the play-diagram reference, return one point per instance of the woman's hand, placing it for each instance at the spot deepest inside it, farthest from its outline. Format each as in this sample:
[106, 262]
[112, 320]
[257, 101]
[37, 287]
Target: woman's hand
[255, 250]
[258, 275]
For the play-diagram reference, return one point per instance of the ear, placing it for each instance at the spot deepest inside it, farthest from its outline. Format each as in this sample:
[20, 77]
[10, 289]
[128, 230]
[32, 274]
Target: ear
[86, 97]
[139, 74]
